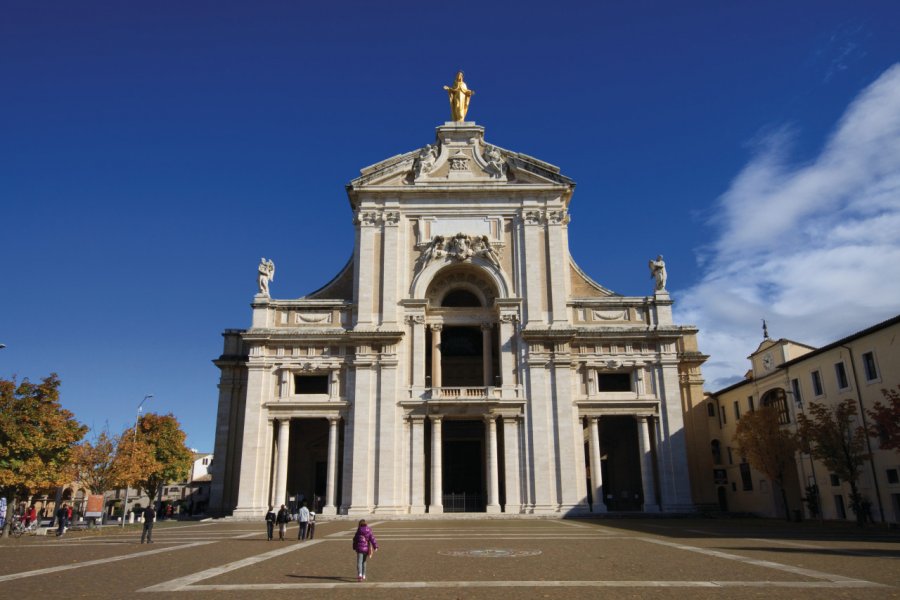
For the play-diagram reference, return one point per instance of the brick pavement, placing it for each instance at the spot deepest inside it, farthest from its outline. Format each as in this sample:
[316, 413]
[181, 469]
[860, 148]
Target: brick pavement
[467, 558]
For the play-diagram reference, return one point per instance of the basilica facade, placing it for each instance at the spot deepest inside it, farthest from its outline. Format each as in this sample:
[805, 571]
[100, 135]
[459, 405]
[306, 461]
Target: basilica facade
[460, 362]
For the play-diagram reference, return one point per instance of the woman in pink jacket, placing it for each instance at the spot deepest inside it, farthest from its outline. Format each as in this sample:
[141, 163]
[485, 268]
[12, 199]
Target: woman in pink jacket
[365, 546]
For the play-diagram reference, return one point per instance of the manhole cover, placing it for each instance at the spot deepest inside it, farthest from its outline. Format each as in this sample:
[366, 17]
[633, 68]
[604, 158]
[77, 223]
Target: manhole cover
[490, 553]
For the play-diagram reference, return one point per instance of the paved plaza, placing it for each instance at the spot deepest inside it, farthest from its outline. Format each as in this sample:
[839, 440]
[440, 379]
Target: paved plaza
[465, 558]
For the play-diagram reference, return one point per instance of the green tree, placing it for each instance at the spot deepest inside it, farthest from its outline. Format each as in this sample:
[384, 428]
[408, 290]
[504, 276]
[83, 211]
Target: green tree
[154, 454]
[768, 446]
[36, 439]
[886, 420]
[830, 434]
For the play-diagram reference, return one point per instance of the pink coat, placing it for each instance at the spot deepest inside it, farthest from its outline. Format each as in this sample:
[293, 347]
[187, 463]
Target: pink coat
[362, 538]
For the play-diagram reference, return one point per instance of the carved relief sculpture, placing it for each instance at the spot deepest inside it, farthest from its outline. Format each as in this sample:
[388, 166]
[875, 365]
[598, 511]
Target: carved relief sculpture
[496, 166]
[658, 272]
[424, 162]
[460, 247]
[459, 98]
[266, 274]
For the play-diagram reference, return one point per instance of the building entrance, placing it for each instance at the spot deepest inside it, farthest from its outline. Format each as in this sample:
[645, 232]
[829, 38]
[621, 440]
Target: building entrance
[463, 466]
[622, 467]
[308, 459]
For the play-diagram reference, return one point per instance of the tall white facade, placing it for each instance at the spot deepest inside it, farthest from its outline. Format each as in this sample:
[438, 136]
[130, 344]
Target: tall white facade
[460, 362]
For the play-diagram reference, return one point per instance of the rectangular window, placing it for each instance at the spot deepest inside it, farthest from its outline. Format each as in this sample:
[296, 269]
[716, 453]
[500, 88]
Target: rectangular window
[311, 384]
[835, 480]
[710, 409]
[817, 384]
[724, 418]
[795, 388]
[840, 372]
[737, 410]
[869, 366]
[746, 478]
[893, 476]
[750, 406]
[730, 456]
[614, 382]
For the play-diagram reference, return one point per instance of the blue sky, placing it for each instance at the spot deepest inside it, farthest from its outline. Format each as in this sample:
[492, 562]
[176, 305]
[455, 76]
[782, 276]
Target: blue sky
[152, 152]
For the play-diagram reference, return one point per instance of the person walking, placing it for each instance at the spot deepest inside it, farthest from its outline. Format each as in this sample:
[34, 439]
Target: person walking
[303, 519]
[270, 523]
[365, 546]
[282, 519]
[149, 516]
[62, 514]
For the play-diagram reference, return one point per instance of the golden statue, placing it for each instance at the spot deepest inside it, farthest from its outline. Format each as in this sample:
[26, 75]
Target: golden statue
[459, 98]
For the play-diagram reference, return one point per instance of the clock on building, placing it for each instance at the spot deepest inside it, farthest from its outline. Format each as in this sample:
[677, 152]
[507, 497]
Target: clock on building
[768, 361]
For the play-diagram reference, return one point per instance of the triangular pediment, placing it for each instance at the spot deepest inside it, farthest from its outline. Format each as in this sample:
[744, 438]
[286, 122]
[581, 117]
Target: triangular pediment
[459, 157]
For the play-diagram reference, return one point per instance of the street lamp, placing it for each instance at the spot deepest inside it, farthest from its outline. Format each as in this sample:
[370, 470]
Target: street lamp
[137, 418]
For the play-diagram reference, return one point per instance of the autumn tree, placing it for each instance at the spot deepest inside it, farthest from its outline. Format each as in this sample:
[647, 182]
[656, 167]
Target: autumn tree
[830, 434]
[154, 453]
[36, 439]
[886, 420]
[768, 446]
[95, 463]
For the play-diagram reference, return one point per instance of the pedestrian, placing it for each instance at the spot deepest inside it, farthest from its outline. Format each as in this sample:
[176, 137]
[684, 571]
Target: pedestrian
[68, 516]
[270, 523]
[149, 516]
[282, 519]
[303, 519]
[311, 532]
[61, 514]
[30, 515]
[365, 546]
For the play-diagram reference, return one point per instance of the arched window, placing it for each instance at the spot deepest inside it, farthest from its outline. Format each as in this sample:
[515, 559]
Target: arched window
[461, 299]
[710, 409]
[778, 399]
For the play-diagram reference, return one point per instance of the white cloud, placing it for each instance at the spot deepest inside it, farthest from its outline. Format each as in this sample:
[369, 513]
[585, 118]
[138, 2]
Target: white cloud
[813, 248]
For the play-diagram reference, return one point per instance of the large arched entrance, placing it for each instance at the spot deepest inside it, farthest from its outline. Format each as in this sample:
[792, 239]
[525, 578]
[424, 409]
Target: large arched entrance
[461, 370]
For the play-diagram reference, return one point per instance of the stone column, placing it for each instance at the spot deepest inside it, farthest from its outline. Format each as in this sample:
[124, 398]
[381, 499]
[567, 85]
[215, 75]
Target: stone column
[418, 350]
[647, 476]
[253, 483]
[493, 499]
[512, 464]
[331, 484]
[507, 351]
[281, 463]
[596, 467]
[487, 354]
[437, 474]
[365, 285]
[436, 355]
[417, 464]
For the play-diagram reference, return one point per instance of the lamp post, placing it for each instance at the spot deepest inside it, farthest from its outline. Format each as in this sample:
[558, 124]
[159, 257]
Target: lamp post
[137, 418]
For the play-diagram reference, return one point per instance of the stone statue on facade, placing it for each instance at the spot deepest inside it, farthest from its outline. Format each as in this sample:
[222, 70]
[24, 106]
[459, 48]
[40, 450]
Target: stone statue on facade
[496, 166]
[424, 162]
[459, 98]
[266, 274]
[482, 247]
[658, 272]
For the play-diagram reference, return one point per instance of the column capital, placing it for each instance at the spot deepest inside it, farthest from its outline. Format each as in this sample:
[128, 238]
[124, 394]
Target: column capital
[436, 418]
[415, 418]
[436, 326]
[487, 326]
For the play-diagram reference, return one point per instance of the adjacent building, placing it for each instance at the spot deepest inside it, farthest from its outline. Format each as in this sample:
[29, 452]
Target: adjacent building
[461, 361]
[789, 375]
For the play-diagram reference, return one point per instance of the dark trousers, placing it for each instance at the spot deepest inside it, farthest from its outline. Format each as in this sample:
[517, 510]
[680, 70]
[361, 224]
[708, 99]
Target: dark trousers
[147, 533]
[303, 527]
[270, 528]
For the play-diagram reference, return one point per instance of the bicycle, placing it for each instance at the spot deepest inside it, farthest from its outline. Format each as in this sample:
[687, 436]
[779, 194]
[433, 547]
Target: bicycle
[17, 528]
